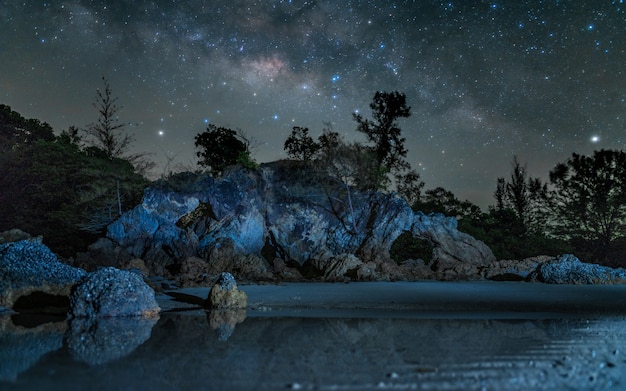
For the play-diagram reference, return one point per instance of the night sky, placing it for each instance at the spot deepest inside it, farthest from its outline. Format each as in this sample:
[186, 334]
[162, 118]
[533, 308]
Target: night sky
[486, 80]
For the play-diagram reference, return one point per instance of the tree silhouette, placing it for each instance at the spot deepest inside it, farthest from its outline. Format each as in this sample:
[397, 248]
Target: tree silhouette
[16, 131]
[107, 133]
[300, 146]
[526, 197]
[383, 131]
[221, 147]
[590, 198]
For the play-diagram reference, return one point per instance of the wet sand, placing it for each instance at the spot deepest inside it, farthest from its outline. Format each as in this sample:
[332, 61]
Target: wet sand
[425, 299]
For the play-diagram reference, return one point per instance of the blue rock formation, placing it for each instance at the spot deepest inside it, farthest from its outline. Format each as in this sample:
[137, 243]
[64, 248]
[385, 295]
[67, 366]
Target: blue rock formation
[289, 213]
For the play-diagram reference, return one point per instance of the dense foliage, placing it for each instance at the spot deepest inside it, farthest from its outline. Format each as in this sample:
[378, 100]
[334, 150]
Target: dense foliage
[219, 148]
[590, 198]
[54, 187]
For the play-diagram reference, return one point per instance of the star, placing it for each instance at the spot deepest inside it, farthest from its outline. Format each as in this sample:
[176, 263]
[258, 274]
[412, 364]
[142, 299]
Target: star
[485, 80]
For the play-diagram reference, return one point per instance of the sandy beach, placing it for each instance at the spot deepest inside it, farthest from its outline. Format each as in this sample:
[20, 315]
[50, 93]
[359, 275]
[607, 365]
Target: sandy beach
[424, 299]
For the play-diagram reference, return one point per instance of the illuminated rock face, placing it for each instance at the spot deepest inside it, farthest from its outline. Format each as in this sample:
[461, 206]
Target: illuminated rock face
[28, 266]
[567, 269]
[287, 212]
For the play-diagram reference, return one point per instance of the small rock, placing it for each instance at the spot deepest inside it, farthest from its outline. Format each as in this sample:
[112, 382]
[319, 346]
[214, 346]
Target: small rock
[225, 295]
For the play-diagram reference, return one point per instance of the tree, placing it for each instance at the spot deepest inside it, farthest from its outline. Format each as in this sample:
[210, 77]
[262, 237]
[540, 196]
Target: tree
[384, 133]
[222, 147]
[300, 146]
[440, 200]
[590, 199]
[410, 186]
[526, 197]
[107, 134]
[329, 139]
[16, 130]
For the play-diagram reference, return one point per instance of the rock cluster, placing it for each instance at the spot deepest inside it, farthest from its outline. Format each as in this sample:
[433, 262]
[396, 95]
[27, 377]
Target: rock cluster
[282, 221]
[29, 270]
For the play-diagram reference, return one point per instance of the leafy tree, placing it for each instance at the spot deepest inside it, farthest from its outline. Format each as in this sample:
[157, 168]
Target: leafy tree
[440, 200]
[329, 139]
[590, 199]
[16, 130]
[410, 186]
[222, 147]
[300, 146]
[526, 197]
[384, 133]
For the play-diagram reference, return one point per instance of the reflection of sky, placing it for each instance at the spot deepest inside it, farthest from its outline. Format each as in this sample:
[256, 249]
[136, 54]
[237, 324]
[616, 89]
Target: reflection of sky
[486, 80]
[183, 353]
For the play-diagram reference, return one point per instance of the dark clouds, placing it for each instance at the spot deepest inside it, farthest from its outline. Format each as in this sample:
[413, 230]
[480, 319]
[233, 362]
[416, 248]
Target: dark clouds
[486, 80]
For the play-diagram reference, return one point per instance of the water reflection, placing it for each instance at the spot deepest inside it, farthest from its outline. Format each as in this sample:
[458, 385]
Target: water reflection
[21, 347]
[225, 321]
[197, 350]
[98, 341]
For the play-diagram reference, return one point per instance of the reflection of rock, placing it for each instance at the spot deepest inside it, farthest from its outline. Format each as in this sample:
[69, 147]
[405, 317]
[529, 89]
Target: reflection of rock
[224, 321]
[110, 292]
[21, 348]
[29, 266]
[225, 295]
[567, 269]
[98, 341]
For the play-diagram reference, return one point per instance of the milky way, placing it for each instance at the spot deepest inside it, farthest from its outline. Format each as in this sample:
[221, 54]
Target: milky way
[485, 80]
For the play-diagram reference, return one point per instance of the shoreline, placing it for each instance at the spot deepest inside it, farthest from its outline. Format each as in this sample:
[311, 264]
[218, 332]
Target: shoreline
[423, 299]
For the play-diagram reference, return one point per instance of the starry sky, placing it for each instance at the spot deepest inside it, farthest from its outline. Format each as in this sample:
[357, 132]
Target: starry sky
[486, 80]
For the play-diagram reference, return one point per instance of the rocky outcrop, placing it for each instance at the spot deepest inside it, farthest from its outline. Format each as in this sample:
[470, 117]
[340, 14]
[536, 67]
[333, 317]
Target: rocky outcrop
[109, 293]
[567, 269]
[563, 269]
[28, 267]
[284, 220]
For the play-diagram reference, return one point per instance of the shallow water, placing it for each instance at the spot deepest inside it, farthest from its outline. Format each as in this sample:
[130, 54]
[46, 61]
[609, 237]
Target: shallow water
[300, 348]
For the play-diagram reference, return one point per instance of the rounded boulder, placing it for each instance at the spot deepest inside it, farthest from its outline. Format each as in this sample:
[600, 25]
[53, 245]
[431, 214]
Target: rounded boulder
[110, 292]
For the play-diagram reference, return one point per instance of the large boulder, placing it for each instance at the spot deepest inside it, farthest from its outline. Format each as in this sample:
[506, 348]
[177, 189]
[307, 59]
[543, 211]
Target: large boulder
[28, 266]
[567, 269]
[247, 220]
[110, 292]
